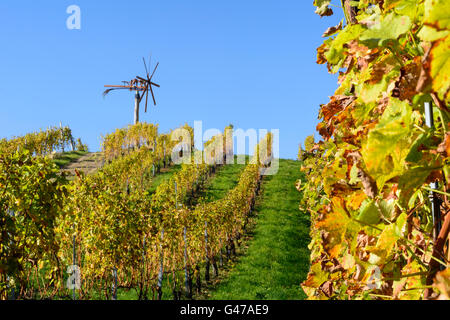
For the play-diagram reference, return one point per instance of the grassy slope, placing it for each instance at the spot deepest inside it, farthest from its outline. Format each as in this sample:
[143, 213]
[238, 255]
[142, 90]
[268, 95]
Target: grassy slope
[165, 175]
[226, 178]
[277, 260]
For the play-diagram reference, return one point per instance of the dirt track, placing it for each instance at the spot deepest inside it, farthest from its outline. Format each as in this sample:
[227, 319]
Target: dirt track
[88, 163]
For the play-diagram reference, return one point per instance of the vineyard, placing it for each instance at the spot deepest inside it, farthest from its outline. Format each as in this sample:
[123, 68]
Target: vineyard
[107, 226]
[377, 184]
[43, 143]
[363, 213]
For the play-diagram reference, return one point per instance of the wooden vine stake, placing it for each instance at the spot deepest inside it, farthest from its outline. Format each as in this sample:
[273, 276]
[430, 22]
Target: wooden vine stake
[176, 197]
[164, 161]
[187, 279]
[227, 248]
[220, 254]
[114, 285]
[143, 275]
[161, 267]
[206, 253]
[199, 279]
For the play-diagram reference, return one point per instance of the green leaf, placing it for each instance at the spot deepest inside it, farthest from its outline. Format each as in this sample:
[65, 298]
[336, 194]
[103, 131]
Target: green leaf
[431, 34]
[410, 8]
[388, 144]
[387, 240]
[387, 208]
[354, 179]
[411, 181]
[415, 155]
[437, 14]
[440, 68]
[447, 172]
[369, 213]
[390, 28]
[335, 54]
[317, 277]
[373, 92]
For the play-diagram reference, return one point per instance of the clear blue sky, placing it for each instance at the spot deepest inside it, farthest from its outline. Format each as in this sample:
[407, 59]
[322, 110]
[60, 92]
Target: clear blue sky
[249, 63]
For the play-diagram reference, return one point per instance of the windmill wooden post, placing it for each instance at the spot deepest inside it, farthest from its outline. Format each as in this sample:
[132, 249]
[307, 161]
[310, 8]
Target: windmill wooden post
[138, 84]
[137, 99]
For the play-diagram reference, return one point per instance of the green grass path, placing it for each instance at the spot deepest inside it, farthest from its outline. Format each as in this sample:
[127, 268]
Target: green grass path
[225, 179]
[277, 259]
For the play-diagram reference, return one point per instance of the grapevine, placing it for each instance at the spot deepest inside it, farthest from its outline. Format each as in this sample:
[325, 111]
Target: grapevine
[42, 143]
[112, 216]
[367, 188]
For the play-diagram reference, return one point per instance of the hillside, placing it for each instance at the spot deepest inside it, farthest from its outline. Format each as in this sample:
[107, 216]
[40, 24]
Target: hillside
[273, 258]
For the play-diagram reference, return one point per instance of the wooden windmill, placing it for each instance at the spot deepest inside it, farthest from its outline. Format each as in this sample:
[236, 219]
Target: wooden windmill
[138, 84]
